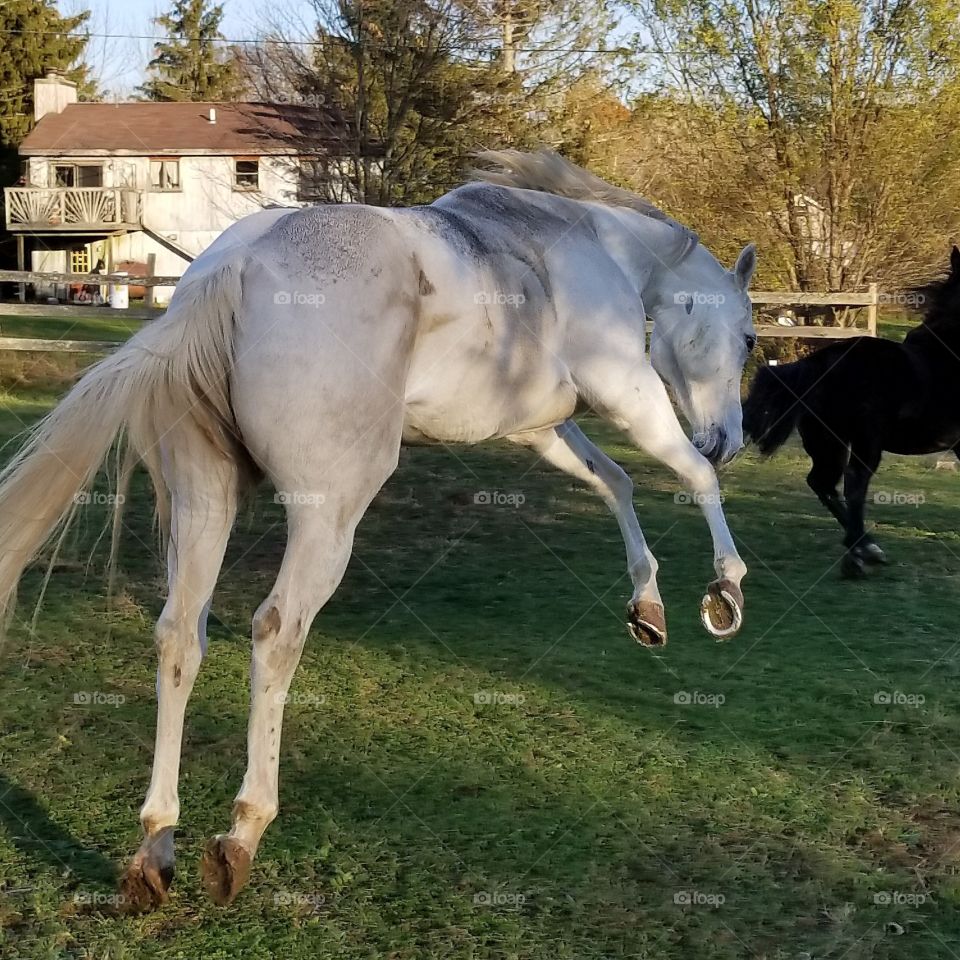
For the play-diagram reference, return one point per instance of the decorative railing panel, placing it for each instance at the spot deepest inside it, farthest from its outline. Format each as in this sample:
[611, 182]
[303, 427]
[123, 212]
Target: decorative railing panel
[53, 207]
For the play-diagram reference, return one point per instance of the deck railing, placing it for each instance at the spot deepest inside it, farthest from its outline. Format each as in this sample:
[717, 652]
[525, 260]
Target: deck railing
[71, 208]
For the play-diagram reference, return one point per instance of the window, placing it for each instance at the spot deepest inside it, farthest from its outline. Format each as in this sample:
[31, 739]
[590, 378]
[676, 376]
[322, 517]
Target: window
[89, 175]
[79, 260]
[78, 175]
[164, 174]
[246, 174]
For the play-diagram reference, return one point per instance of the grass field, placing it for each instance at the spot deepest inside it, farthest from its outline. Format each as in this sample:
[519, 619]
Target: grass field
[479, 763]
[117, 327]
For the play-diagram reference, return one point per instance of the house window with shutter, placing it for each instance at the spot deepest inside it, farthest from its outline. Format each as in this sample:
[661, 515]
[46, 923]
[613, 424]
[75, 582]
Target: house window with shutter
[246, 173]
[164, 174]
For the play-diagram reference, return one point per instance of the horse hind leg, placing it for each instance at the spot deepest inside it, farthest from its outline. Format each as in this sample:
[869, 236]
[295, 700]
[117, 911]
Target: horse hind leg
[320, 540]
[204, 491]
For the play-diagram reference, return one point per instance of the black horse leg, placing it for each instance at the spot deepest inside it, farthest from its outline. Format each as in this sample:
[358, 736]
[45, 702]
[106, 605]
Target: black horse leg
[864, 460]
[828, 454]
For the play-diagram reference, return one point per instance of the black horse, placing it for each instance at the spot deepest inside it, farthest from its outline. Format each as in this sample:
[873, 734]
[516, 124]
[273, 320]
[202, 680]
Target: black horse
[856, 398]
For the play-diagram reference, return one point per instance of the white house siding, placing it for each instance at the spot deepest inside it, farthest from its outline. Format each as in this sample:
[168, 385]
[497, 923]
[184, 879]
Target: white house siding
[191, 217]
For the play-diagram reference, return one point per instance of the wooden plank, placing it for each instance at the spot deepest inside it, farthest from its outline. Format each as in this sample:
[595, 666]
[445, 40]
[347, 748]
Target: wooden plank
[789, 299]
[817, 333]
[30, 276]
[872, 310]
[58, 346]
[44, 226]
[148, 299]
[77, 311]
[21, 266]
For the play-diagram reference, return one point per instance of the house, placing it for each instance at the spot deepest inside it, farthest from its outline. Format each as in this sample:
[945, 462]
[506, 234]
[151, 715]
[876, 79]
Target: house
[143, 183]
[813, 220]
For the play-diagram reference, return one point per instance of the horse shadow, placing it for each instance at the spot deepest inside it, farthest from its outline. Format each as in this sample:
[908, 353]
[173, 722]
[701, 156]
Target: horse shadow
[33, 832]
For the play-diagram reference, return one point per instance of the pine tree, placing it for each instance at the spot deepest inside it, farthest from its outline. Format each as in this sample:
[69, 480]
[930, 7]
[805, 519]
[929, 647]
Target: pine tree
[188, 65]
[36, 39]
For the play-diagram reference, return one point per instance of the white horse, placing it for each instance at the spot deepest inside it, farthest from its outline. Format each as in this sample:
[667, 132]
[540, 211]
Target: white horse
[307, 345]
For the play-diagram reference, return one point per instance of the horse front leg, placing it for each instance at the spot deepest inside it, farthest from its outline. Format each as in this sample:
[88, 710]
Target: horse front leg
[567, 448]
[636, 401]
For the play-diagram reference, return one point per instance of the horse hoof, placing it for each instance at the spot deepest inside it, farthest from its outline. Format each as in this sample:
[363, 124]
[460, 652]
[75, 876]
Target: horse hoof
[852, 567]
[721, 610]
[870, 553]
[225, 868]
[647, 623]
[146, 883]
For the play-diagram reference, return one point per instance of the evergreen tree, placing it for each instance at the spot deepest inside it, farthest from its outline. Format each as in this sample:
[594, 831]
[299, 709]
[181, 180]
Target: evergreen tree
[36, 39]
[188, 65]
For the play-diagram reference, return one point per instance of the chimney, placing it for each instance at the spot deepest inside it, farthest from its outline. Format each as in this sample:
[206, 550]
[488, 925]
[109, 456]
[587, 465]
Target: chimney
[51, 94]
[212, 117]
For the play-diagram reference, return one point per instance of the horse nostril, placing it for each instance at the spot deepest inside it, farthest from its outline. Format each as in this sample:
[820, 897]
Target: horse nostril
[751, 342]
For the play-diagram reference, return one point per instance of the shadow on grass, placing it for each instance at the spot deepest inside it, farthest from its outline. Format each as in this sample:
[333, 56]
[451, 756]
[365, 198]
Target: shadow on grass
[33, 832]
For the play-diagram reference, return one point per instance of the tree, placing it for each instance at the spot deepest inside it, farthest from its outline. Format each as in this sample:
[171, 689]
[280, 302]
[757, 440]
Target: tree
[36, 39]
[550, 40]
[416, 87]
[188, 65]
[835, 123]
[403, 85]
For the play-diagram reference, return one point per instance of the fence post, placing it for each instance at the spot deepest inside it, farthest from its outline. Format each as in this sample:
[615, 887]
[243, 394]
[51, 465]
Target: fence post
[149, 292]
[21, 266]
[872, 310]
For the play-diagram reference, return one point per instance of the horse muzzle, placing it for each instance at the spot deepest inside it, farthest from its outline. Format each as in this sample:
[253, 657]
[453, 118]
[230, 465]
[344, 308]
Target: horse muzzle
[716, 445]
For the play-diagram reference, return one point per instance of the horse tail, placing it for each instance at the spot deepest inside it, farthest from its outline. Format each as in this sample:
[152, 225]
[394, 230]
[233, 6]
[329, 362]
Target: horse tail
[775, 403]
[173, 373]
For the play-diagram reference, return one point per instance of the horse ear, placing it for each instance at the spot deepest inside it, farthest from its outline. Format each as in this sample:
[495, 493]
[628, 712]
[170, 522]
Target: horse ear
[746, 264]
[955, 262]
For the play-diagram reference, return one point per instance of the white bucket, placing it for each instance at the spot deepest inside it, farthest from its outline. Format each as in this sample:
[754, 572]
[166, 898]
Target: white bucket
[119, 294]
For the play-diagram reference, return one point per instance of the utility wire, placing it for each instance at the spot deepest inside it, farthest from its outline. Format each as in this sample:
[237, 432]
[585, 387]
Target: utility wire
[609, 51]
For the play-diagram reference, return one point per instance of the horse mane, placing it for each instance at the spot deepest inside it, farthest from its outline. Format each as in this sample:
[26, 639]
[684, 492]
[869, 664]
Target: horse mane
[940, 300]
[547, 172]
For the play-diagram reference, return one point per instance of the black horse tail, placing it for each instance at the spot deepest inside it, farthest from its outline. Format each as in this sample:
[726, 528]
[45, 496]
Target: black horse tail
[775, 403]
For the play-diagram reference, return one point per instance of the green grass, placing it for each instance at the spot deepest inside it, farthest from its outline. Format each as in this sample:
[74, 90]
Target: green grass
[585, 807]
[117, 327]
[895, 326]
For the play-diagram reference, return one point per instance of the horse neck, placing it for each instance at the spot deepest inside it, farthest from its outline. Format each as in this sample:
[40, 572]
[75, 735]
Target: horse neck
[939, 333]
[645, 248]
[693, 272]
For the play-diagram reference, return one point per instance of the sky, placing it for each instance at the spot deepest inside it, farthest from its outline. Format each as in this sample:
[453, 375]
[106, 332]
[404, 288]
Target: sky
[119, 63]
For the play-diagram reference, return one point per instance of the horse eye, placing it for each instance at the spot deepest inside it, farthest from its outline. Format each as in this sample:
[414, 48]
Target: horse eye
[751, 342]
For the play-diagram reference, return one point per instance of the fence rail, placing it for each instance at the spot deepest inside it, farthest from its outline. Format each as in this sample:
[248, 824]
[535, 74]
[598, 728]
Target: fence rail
[870, 300]
[84, 279]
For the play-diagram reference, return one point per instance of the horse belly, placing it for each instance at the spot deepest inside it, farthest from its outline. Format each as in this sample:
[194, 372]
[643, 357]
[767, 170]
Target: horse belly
[467, 400]
[923, 440]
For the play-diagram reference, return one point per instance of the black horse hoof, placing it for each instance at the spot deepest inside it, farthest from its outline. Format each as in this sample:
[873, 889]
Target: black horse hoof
[852, 567]
[870, 552]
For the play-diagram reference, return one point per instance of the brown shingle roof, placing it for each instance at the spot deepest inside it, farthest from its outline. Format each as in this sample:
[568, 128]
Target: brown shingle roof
[181, 128]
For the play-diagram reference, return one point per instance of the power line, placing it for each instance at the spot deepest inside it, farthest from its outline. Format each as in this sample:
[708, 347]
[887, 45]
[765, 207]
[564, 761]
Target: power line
[609, 51]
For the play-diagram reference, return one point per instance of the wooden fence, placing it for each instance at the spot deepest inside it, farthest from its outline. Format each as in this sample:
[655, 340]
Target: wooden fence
[75, 311]
[869, 301]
